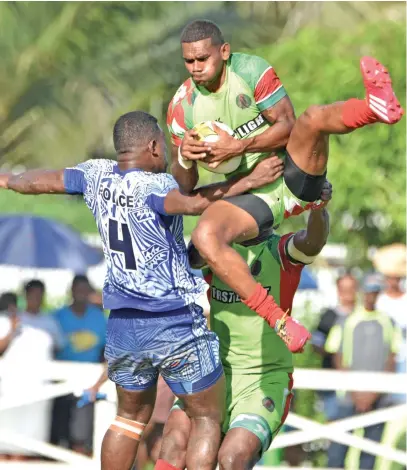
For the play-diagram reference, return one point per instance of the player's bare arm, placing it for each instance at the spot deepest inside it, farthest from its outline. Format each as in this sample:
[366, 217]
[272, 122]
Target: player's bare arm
[266, 172]
[187, 178]
[282, 117]
[35, 182]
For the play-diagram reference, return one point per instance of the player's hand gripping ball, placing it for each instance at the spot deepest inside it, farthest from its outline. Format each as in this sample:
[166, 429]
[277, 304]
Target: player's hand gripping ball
[207, 133]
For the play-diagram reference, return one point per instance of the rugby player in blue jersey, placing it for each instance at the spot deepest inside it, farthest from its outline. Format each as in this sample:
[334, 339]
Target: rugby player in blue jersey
[155, 326]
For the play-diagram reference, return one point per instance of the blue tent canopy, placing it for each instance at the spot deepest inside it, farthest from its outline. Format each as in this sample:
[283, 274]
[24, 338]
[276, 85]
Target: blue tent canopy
[36, 242]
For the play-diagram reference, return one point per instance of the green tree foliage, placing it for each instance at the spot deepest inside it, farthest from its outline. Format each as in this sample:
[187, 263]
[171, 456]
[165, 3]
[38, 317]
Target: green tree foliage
[367, 168]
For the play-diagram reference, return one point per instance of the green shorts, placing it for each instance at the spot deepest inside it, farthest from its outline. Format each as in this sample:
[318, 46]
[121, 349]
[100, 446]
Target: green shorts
[281, 201]
[259, 404]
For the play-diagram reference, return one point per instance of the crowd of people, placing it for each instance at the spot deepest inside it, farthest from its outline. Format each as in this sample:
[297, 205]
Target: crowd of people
[233, 380]
[28, 339]
[365, 331]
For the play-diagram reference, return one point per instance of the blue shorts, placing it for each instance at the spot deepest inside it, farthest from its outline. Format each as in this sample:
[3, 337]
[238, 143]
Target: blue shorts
[177, 344]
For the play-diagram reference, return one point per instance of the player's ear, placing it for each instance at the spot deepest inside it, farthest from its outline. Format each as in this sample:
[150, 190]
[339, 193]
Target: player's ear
[152, 147]
[225, 51]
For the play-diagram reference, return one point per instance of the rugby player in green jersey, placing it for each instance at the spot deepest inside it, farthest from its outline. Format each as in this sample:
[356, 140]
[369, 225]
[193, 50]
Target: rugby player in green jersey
[244, 92]
[258, 366]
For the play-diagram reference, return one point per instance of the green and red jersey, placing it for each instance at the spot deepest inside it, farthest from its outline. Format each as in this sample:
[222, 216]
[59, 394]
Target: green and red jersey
[247, 343]
[251, 86]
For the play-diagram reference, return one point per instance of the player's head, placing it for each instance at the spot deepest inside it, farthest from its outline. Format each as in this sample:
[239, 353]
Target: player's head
[138, 137]
[204, 51]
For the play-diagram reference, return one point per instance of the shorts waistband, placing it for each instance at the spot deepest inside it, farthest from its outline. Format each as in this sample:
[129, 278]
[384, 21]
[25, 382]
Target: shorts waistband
[137, 313]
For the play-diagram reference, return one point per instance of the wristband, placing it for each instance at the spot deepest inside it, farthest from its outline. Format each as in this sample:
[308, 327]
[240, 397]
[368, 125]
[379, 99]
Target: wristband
[186, 164]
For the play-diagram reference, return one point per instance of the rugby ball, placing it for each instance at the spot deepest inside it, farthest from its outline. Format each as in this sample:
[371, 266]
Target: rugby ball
[207, 133]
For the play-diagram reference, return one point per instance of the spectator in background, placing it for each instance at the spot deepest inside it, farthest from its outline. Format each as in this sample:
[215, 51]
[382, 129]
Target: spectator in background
[365, 341]
[391, 262]
[8, 319]
[84, 326]
[347, 290]
[30, 346]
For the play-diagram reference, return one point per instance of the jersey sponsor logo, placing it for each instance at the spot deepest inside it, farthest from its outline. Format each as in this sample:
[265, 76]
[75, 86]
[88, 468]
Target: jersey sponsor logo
[248, 127]
[243, 101]
[227, 297]
[121, 200]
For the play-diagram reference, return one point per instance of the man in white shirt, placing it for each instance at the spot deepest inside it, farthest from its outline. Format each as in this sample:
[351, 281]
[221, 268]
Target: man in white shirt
[31, 344]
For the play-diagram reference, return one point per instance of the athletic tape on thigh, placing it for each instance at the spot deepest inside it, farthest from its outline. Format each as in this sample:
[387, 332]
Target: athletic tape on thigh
[128, 427]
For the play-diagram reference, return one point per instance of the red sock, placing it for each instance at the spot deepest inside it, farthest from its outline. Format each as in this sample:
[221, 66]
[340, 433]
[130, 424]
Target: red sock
[264, 305]
[163, 465]
[356, 113]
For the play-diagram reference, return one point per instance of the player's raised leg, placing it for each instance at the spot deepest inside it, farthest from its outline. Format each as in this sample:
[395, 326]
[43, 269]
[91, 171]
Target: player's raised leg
[308, 143]
[224, 223]
[121, 441]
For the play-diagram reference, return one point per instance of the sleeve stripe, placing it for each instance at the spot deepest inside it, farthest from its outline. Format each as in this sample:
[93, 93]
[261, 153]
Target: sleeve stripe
[262, 75]
[270, 94]
[273, 99]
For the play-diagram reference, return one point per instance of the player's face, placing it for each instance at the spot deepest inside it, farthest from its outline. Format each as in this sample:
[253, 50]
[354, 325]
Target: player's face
[204, 61]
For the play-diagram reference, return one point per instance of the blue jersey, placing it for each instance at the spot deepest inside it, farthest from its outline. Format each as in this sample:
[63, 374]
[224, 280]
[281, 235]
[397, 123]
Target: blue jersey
[147, 263]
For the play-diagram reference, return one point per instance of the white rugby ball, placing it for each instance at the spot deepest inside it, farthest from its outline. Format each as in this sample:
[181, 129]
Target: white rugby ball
[207, 133]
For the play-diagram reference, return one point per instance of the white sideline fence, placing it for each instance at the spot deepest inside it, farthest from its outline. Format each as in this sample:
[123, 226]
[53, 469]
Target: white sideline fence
[74, 377]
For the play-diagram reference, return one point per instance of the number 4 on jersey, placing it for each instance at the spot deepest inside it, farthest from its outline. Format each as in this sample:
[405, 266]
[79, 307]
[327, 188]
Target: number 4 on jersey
[122, 246]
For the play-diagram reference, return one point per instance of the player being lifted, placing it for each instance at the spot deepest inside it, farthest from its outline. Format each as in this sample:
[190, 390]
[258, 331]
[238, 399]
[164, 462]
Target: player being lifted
[244, 92]
[154, 325]
[258, 366]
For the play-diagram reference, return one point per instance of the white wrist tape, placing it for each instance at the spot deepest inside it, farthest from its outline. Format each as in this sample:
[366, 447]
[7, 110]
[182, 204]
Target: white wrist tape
[298, 255]
[186, 164]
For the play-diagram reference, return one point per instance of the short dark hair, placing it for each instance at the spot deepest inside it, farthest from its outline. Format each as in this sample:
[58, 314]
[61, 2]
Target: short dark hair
[34, 284]
[133, 129]
[7, 299]
[202, 29]
[80, 278]
[346, 275]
